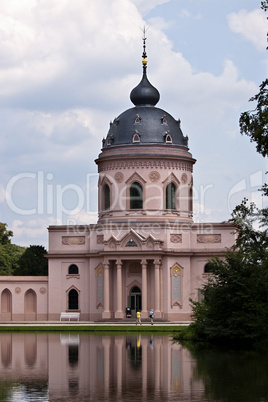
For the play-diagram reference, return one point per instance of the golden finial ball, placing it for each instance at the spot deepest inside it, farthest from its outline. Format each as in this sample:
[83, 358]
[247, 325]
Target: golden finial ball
[144, 62]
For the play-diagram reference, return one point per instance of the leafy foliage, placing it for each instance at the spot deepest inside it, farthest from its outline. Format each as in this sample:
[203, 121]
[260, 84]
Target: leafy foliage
[9, 256]
[235, 304]
[16, 260]
[254, 123]
[251, 241]
[264, 5]
[9, 253]
[33, 262]
[5, 234]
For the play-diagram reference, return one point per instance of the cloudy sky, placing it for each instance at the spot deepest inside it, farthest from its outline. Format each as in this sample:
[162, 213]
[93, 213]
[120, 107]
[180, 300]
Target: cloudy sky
[67, 68]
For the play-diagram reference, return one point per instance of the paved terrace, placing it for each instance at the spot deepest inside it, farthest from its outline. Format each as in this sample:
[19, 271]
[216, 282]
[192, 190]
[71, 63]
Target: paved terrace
[94, 325]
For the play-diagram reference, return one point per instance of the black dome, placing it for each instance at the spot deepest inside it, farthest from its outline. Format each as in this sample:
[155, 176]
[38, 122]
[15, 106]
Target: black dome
[145, 125]
[144, 93]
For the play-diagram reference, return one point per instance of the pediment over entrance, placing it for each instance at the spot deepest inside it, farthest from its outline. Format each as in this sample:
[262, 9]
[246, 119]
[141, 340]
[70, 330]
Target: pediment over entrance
[133, 241]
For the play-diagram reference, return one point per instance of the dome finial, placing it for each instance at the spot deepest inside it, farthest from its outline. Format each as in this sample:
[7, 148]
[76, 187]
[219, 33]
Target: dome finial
[144, 55]
[144, 94]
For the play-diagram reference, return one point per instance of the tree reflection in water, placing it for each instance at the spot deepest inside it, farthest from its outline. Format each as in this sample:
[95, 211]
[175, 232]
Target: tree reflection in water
[232, 375]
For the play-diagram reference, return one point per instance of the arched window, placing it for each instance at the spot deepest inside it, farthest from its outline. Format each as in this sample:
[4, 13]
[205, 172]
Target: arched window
[136, 196]
[171, 196]
[73, 270]
[137, 119]
[73, 300]
[168, 139]
[208, 268]
[136, 138]
[164, 120]
[191, 198]
[107, 195]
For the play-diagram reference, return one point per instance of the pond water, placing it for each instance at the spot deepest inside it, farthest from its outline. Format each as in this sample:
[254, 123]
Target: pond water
[103, 367]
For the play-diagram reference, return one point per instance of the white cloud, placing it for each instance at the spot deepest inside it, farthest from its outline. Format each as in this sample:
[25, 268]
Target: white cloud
[252, 25]
[207, 97]
[144, 6]
[67, 69]
[160, 23]
[31, 231]
[49, 48]
[186, 14]
[2, 194]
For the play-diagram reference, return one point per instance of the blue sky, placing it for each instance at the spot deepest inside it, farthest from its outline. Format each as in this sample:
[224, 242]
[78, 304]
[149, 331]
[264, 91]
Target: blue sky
[67, 69]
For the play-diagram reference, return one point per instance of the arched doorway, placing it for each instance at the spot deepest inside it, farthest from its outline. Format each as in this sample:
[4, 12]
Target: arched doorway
[6, 305]
[135, 301]
[73, 300]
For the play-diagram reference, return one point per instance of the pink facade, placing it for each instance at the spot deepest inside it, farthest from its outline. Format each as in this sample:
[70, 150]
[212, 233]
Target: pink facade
[145, 251]
[132, 268]
[24, 298]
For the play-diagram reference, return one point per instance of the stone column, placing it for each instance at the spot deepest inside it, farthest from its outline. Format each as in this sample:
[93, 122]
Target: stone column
[157, 264]
[144, 313]
[106, 313]
[119, 312]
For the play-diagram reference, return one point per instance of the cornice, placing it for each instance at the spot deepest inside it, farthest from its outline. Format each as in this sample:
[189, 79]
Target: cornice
[141, 254]
[170, 164]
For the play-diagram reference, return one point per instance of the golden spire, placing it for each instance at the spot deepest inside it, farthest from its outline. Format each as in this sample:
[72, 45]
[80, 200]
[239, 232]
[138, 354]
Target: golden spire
[144, 55]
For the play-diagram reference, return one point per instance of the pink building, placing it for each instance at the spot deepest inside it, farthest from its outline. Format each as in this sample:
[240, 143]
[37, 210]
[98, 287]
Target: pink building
[145, 251]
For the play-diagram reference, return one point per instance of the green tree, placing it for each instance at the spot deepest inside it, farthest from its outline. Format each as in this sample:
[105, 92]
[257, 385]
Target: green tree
[235, 303]
[9, 253]
[5, 234]
[5, 261]
[235, 299]
[9, 257]
[254, 123]
[33, 262]
[16, 260]
[264, 5]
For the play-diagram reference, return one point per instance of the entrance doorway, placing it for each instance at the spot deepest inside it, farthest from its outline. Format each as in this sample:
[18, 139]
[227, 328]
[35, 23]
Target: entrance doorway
[135, 300]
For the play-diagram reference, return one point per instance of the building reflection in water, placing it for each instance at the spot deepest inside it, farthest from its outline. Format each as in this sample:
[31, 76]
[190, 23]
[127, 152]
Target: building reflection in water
[99, 366]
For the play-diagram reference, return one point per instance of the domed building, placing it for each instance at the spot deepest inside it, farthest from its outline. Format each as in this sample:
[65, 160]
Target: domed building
[145, 252]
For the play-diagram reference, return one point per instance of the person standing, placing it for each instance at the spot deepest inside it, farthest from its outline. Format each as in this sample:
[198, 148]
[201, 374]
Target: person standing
[151, 316]
[138, 317]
